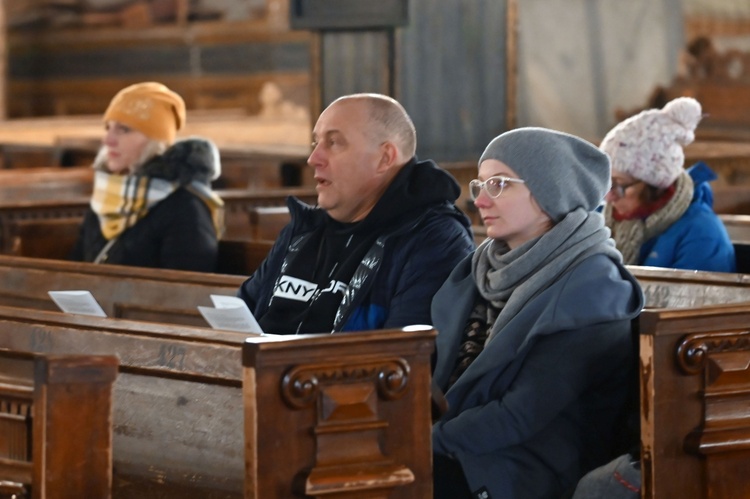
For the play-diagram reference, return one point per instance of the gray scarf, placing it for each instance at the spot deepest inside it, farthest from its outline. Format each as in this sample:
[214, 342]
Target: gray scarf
[508, 279]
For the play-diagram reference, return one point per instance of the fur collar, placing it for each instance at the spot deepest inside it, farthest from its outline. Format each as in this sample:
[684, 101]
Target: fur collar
[188, 160]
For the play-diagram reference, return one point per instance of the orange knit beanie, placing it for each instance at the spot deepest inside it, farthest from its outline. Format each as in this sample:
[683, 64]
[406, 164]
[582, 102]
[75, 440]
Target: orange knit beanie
[149, 107]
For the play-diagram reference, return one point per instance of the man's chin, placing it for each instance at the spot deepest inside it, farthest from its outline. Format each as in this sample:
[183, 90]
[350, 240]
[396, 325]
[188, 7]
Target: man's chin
[323, 202]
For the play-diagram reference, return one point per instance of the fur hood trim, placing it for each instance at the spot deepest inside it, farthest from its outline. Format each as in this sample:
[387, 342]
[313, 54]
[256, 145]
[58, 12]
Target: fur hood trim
[187, 160]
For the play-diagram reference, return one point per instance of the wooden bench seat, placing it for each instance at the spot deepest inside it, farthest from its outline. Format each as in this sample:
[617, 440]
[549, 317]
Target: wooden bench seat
[56, 424]
[52, 238]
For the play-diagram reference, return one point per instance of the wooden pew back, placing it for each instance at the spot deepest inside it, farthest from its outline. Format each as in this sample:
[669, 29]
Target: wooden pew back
[56, 424]
[679, 289]
[238, 205]
[242, 257]
[695, 391]
[46, 238]
[55, 239]
[731, 199]
[38, 184]
[738, 227]
[156, 295]
[266, 222]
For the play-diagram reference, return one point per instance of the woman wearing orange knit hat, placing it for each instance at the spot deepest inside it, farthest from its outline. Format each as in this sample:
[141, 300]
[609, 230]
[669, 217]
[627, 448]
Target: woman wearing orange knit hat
[152, 204]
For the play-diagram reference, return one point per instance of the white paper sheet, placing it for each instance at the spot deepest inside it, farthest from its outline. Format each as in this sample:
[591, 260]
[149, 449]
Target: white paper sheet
[230, 314]
[77, 302]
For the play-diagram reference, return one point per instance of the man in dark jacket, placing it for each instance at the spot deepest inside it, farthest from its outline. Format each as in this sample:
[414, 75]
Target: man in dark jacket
[382, 239]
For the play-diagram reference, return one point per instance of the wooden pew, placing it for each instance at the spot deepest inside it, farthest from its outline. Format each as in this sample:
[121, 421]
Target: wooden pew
[729, 159]
[55, 239]
[37, 184]
[238, 204]
[738, 227]
[177, 414]
[157, 295]
[677, 289]
[464, 172]
[56, 425]
[343, 415]
[266, 222]
[663, 396]
[242, 257]
[178, 404]
[695, 395]
[663, 287]
[25, 156]
[731, 199]
[46, 238]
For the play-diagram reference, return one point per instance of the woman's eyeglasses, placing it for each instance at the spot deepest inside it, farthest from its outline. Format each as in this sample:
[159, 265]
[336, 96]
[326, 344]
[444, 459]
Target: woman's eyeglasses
[493, 185]
[619, 189]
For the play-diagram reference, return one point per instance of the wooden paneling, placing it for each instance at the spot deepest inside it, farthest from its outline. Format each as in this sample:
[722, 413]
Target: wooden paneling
[215, 65]
[452, 76]
[448, 67]
[450, 72]
[354, 62]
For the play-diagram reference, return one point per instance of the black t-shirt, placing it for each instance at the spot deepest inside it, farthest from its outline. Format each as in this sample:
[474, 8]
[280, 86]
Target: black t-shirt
[311, 286]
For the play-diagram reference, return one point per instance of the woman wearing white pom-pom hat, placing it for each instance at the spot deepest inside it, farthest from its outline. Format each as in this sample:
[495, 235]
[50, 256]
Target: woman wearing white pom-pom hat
[661, 214]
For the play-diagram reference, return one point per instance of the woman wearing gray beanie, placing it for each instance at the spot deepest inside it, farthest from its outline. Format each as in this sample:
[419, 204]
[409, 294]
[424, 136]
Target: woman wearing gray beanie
[534, 351]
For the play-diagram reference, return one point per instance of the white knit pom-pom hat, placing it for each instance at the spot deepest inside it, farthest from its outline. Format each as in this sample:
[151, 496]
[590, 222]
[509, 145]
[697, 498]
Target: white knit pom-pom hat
[648, 146]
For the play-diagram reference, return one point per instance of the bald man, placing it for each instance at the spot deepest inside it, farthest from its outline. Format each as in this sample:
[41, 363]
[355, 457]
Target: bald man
[383, 237]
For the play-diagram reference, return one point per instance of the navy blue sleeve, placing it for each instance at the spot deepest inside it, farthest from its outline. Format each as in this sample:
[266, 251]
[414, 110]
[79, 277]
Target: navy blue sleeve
[433, 252]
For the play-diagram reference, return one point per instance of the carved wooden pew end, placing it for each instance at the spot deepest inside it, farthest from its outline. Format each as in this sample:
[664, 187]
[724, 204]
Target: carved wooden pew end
[695, 394]
[343, 415]
[56, 425]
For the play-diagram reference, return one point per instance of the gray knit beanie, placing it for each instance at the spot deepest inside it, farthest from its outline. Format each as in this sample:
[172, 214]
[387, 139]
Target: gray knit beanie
[563, 172]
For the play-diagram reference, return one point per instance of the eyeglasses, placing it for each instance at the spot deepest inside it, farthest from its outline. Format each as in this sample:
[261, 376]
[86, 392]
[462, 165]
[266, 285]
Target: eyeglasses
[493, 185]
[619, 189]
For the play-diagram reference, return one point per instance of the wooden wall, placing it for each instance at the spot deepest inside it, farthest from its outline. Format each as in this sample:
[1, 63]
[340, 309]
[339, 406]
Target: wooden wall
[212, 64]
[3, 60]
[451, 72]
[449, 67]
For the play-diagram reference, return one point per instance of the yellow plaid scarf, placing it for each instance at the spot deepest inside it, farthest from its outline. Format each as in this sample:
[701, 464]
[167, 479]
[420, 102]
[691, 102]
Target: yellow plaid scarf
[121, 200]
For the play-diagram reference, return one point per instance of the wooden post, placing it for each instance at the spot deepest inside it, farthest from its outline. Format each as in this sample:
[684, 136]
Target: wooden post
[511, 66]
[3, 61]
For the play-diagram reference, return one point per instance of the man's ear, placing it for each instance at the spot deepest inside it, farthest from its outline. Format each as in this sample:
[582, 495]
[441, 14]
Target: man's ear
[389, 156]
